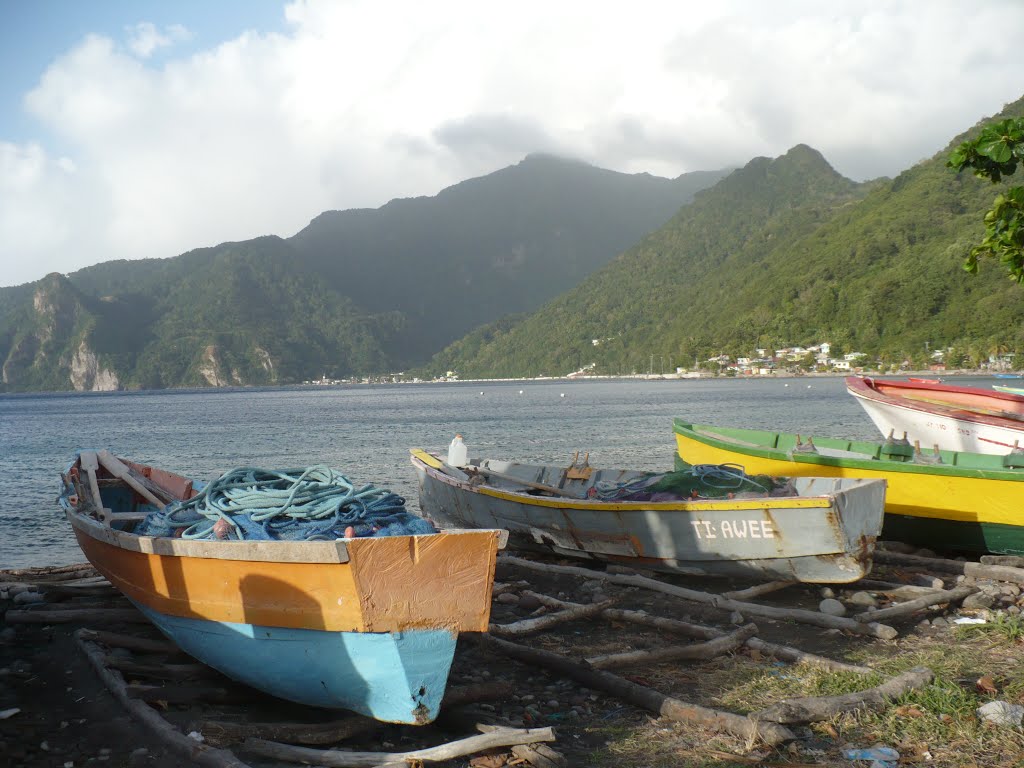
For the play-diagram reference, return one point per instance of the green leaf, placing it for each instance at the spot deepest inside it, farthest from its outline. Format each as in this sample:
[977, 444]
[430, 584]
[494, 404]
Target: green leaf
[998, 150]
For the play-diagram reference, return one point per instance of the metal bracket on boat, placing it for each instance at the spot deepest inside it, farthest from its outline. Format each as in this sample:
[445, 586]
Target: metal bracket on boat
[802, 447]
[579, 470]
[1015, 458]
[920, 458]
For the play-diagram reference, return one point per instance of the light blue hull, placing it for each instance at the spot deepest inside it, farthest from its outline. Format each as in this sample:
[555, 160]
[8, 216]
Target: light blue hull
[396, 677]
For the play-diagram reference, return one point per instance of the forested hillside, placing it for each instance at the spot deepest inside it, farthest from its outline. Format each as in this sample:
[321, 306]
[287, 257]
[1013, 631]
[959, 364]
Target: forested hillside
[355, 293]
[782, 252]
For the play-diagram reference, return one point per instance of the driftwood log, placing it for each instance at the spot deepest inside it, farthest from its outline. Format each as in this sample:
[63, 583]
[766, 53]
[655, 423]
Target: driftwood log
[994, 572]
[707, 650]
[337, 758]
[700, 631]
[872, 629]
[816, 708]
[539, 756]
[192, 750]
[184, 694]
[55, 571]
[641, 696]
[934, 597]
[757, 590]
[67, 616]
[221, 733]
[128, 642]
[931, 563]
[162, 671]
[573, 613]
[1014, 561]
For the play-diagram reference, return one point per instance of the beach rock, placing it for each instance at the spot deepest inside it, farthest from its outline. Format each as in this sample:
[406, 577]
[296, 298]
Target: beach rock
[507, 598]
[736, 618]
[827, 593]
[7, 635]
[924, 580]
[23, 598]
[978, 601]
[864, 599]
[832, 607]
[529, 602]
[1001, 713]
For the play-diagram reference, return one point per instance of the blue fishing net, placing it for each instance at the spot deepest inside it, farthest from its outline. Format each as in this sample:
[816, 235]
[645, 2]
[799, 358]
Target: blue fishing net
[310, 504]
[689, 481]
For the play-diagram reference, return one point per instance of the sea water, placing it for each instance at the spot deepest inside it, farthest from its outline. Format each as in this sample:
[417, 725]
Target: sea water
[366, 431]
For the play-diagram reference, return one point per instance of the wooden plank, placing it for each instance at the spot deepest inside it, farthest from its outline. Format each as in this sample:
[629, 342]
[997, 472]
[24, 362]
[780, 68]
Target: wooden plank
[118, 469]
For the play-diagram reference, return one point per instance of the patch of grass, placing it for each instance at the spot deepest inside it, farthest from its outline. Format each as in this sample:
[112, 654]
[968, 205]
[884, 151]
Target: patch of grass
[1009, 628]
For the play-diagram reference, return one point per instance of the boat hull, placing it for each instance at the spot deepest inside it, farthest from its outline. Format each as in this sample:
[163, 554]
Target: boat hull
[397, 677]
[823, 535]
[366, 624]
[974, 508]
[954, 418]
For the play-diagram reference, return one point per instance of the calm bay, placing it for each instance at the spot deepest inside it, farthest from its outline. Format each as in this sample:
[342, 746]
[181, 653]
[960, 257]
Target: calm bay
[365, 431]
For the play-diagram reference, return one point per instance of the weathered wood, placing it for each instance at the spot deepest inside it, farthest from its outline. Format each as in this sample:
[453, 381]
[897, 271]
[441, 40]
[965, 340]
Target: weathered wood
[343, 759]
[539, 756]
[813, 709]
[65, 616]
[190, 749]
[814, 618]
[222, 733]
[162, 671]
[553, 490]
[526, 626]
[647, 698]
[707, 650]
[501, 588]
[46, 570]
[934, 597]
[141, 485]
[179, 694]
[782, 652]
[758, 589]
[90, 464]
[931, 563]
[1013, 561]
[994, 572]
[891, 590]
[129, 642]
[36, 578]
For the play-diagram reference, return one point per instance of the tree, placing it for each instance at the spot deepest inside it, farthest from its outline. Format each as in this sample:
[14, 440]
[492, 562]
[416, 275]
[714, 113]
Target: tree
[993, 155]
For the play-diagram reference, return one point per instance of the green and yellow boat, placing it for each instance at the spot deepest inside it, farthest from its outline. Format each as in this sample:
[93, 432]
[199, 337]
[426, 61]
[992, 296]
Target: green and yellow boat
[941, 499]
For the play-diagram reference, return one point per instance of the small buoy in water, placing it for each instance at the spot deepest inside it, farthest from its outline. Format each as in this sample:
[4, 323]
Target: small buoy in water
[562, 395]
[520, 391]
[481, 393]
[808, 386]
[785, 385]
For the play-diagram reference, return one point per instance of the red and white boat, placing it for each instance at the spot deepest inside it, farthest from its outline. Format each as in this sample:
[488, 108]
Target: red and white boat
[954, 418]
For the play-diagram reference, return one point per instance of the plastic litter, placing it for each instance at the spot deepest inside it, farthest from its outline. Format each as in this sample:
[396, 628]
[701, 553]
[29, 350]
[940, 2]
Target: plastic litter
[968, 620]
[880, 757]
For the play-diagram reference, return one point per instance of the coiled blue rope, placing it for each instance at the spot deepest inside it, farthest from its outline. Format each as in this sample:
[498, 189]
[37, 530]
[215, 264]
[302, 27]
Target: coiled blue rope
[292, 504]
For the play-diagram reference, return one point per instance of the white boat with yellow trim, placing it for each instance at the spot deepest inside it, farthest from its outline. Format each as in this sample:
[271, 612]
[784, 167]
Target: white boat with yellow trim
[702, 520]
[368, 624]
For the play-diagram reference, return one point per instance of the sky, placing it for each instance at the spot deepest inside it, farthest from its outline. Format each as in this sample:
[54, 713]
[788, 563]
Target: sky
[146, 128]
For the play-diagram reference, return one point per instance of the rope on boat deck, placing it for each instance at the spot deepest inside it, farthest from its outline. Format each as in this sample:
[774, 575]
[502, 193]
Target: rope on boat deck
[316, 502]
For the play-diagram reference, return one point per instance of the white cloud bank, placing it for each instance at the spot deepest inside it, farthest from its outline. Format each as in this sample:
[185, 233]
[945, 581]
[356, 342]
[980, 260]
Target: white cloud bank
[360, 102]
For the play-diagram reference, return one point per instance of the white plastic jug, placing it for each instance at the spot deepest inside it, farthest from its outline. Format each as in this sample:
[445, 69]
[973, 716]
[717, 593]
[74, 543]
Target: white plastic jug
[458, 454]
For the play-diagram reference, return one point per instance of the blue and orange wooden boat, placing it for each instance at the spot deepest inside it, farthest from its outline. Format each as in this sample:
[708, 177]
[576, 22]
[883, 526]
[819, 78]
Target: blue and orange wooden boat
[366, 624]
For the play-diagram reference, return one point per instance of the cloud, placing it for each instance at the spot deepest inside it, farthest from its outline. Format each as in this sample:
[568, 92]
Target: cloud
[145, 38]
[356, 103]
